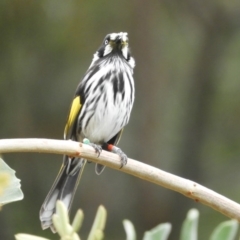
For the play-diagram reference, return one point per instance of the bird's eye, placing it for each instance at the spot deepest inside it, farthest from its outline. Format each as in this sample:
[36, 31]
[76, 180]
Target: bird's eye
[106, 42]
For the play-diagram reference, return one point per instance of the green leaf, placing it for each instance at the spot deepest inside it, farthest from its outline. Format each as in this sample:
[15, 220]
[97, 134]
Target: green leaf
[77, 221]
[189, 229]
[61, 220]
[129, 229]
[160, 232]
[98, 226]
[225, 231]
[22, 236]
[10, 187]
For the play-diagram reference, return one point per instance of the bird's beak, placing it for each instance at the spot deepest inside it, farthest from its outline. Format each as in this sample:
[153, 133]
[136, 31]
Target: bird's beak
[121, 42]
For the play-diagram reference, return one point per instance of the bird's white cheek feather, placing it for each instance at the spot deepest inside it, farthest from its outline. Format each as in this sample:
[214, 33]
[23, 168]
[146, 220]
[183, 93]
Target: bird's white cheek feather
[107, 50]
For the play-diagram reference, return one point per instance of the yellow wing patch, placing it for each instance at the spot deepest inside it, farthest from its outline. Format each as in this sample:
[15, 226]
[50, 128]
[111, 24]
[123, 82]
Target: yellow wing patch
[74, 111]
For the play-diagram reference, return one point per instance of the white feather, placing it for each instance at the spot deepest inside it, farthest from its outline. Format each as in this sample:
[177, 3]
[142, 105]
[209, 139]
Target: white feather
[107, 118]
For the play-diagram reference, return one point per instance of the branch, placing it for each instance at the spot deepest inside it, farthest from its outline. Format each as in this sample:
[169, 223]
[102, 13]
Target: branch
[138, 169]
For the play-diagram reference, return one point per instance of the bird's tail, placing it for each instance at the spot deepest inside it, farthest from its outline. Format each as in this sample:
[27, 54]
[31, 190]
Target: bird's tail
[64, 188]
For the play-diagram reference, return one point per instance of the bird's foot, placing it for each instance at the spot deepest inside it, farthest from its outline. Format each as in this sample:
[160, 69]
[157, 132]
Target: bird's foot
[119, 152]
[97, 148]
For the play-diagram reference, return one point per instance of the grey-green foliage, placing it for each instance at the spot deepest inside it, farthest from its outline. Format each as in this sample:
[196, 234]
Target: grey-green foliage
[10, 187]
[69, 231]
[224, 231]
[130, 230]
[160, 232]
[98, 226]
[189, 229]
[62, 224]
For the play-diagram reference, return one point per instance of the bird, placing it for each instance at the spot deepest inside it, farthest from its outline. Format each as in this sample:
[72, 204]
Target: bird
[99, 111]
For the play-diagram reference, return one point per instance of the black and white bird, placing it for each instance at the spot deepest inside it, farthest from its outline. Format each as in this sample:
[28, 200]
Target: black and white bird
[100, 109]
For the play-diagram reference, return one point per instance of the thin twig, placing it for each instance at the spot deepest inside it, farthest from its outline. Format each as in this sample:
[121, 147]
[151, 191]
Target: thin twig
[138, 169]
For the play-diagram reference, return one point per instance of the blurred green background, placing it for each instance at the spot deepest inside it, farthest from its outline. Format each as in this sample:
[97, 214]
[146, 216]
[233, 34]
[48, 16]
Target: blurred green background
[186, 117]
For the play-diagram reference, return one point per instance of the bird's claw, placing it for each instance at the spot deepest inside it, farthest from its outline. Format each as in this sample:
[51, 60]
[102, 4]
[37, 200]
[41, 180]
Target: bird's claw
[97, 148]
[122, 156]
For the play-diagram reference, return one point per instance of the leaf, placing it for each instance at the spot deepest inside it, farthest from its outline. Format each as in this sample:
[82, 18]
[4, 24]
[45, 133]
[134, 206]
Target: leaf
[189, 230]
[22, 236]
[225, 231]
[10, 187]
[77, 221]
[98, 226]
[61, 220]
[129, 229]
[160, 232]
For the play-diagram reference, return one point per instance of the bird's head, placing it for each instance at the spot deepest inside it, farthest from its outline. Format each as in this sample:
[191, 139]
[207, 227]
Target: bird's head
[114, 44]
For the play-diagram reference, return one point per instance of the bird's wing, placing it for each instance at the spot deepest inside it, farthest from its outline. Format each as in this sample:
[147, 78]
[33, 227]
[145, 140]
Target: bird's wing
[75, 109]
[115, 140]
